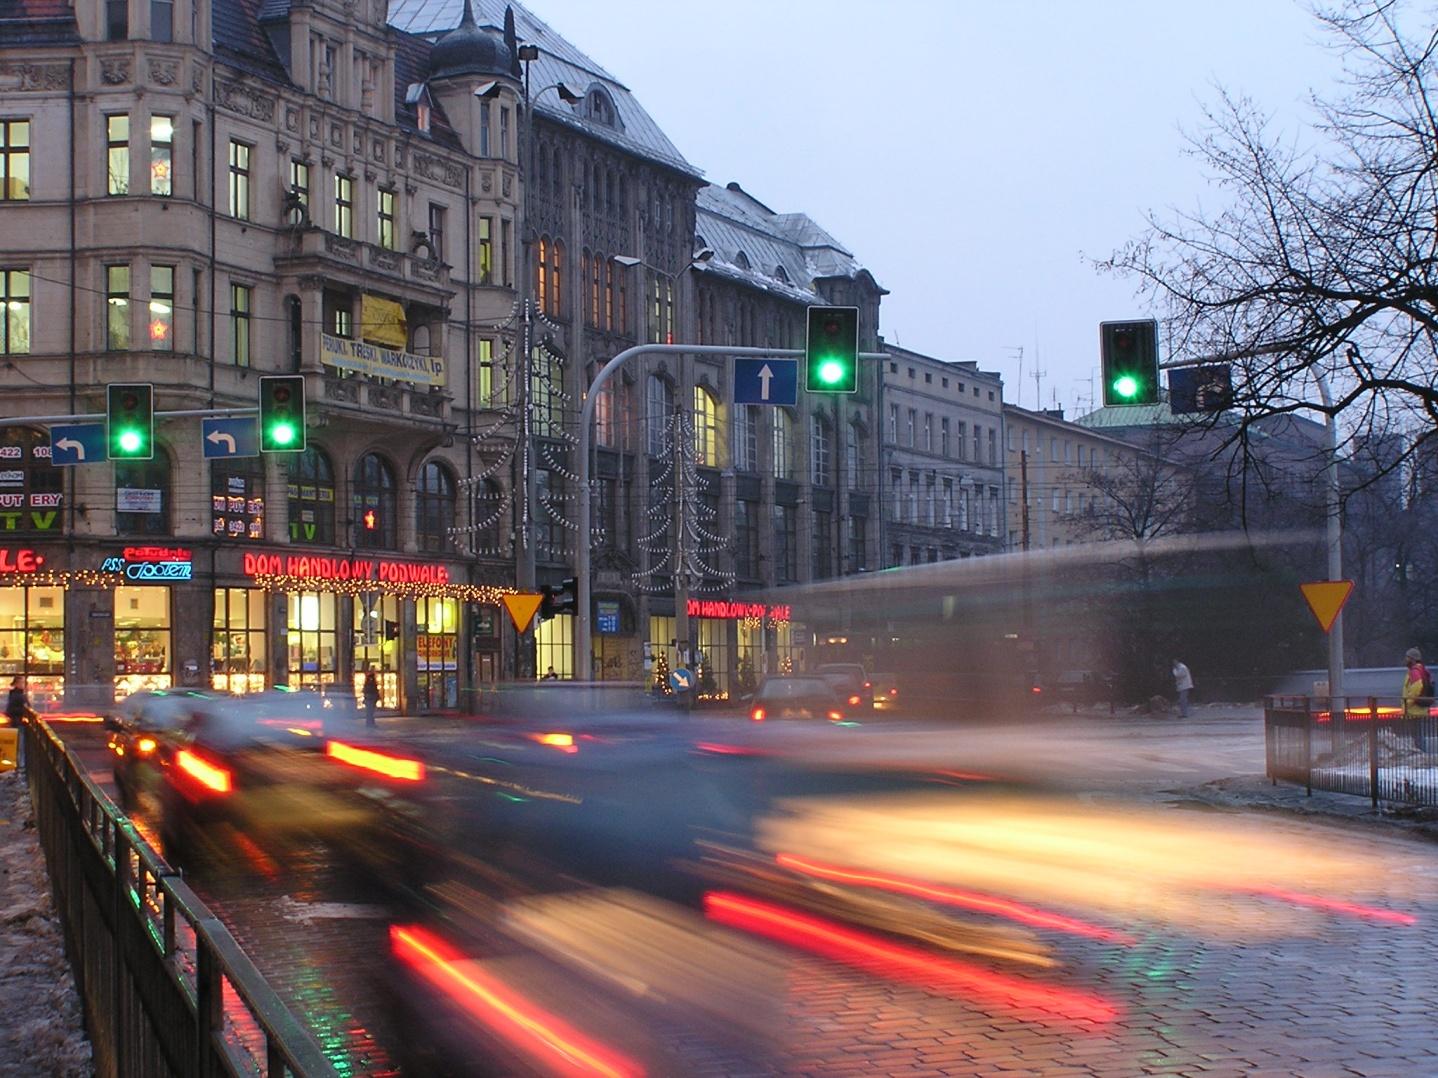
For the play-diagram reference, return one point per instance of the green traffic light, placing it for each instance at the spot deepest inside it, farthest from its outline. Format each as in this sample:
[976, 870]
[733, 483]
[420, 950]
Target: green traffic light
[831, 371]
[1126, 386]
[282, 433]
[130, 441]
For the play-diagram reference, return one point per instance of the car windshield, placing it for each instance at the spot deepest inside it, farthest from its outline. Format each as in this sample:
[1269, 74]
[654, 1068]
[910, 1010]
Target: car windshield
[794, 688]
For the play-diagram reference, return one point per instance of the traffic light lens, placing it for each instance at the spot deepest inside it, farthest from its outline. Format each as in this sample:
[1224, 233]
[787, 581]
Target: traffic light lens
[1126, 386]
[283, 433]
[831, 371]
[130, 441]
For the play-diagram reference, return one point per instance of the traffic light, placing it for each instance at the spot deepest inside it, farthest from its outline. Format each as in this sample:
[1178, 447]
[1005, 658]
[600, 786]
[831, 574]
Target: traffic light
[282, 413]
[1130, 362]
[563, 599]
[831, 351]
[130, 420]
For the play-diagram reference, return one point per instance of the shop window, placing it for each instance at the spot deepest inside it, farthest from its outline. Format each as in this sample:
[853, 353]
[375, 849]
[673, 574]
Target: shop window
[435, 507]
[436, 649]
[237, 499]
[30, 489]
[312, 498]
[313, 658]
[32, 641]
[238, 645]
[142, 496]
[554, 647]
[142, 640]
[374, 503]
[377, 645]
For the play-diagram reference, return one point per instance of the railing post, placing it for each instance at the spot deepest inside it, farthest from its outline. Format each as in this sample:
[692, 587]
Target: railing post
[209, 1005]
[1308, 742]
[1373, 748]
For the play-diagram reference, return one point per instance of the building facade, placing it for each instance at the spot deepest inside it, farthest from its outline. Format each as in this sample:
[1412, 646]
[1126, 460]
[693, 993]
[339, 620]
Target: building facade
[943, 461]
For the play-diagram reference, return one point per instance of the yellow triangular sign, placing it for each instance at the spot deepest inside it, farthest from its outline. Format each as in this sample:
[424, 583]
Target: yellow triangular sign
[1326, 599]
[521, 606]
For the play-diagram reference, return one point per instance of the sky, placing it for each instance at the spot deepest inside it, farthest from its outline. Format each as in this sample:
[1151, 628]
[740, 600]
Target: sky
[970, 154]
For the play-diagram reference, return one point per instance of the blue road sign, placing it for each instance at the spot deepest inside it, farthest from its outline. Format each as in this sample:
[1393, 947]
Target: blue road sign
[766, 381]
[230, 437]
[77, 443]
[681, 680]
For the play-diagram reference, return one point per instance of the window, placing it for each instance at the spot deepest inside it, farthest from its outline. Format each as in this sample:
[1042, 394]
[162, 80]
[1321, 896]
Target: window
[541, 274]
[14, 160]
[658, 412]
[821, 452]
[484, 129]
[546, 394]
[931, 502]
[896, 484]
[117, 144]
[117, 308]
[851, 455]
[993, 446]
[706, 428]
[786, 543]
[783, 444]
[913, 506]
[311, 493]
[162, 155]
[338, 313]
[946, 506]
[30, 488]
[437, 216]
[162, 20]
[374, 503]
[485, 249]
[142, 496]
[609, 318]
[911, 427]
[944, 445]
[607, 431]
[117, 20]
[858, 544]
[162, 308]
[893, 437]
[237, 641]
[556, 279]
[504, 133]
[239, 180]
[384, 223]
[1053, 450]
[344, 206]
[15, 302]
[823, 541]
[435, 507]
[313, 636]
[993, 528]
[746, 437]
[928, 432]
[490, 504]
[237, 499]
[1009, 442]
[299, 192]
[746, 539]
[240, 299]
[143, 638]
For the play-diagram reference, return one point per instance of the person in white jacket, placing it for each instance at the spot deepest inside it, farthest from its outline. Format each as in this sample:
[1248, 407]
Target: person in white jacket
[1183, 682]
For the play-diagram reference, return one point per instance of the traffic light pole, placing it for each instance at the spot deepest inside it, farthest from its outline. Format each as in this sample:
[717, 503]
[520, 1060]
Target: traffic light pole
[582, 639]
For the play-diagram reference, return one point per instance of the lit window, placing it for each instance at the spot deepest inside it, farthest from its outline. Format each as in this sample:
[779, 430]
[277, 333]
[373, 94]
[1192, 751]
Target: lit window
[117, 308]
[15, 301]
[437, 229]
[299, 192]
[706, 428]
[344, 206]
[239, 180]
[117, 144]
[386, 219]
[14, 160]
[161, 329]
[162, 153]
[486, 250]
[241, 297]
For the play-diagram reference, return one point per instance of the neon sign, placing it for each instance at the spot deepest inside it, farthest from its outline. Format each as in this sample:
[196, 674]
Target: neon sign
[313, 567]
[23, 560]
[147, 564]
[731, 611]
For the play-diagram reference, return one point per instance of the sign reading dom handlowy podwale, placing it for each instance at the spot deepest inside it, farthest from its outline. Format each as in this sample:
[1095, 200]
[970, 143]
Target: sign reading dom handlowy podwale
[379, 362]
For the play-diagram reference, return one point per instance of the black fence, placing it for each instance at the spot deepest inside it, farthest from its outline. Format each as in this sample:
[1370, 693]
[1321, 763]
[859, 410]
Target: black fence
[166, 989]
[1371, 746]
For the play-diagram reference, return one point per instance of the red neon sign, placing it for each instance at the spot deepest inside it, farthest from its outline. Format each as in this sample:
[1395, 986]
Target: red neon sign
[731, 611]
[310, 567]
[157, 553]
[23, 560]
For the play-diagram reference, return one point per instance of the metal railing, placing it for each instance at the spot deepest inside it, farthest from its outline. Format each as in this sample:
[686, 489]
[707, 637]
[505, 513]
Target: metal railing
[165, 988]
[1369, 746]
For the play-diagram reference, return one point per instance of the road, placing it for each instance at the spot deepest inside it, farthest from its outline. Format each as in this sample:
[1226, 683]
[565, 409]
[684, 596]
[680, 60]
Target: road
[1237, 943]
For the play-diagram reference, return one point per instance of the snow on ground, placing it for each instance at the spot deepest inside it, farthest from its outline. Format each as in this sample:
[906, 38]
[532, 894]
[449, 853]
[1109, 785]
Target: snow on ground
[41, 1032]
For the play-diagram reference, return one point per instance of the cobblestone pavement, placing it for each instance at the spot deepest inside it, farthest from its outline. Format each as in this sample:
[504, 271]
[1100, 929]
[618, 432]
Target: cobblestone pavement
[1317, 992]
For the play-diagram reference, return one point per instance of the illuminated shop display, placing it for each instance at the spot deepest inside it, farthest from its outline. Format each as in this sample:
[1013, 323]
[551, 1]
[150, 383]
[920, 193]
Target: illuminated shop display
[238, 641]
[436, 649]
[32, 640]
[376, 629]
[313, 639]
[143, 640]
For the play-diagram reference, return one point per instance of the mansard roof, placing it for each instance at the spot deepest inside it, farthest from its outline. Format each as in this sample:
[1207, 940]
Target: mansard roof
[37, 22]
[559, 61]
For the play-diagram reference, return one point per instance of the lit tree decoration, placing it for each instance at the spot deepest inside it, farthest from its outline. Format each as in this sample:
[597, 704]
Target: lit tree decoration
[661, 673]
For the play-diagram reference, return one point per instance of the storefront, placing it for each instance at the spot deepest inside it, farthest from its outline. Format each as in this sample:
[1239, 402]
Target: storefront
[436, 650]
[32, 627]
[376, 644]
[239, 641]
[738, 644]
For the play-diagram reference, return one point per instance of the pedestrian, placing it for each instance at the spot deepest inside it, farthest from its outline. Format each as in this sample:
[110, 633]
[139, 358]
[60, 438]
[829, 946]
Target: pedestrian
[371, 696]
[16, 706]
[1417, 694]
[1183, 683]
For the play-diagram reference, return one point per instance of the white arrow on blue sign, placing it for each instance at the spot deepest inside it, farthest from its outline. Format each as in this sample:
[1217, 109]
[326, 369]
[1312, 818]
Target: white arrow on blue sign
[766, 381]
[230, 437]
[681, 680]
[77, 443]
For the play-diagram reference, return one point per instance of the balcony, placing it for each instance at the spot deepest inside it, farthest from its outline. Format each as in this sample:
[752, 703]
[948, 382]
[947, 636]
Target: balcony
[428, 406]
[314, 250]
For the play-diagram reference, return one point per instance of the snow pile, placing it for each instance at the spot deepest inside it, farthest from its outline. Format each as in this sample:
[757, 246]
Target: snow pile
[1393, 751]
[41, 1031]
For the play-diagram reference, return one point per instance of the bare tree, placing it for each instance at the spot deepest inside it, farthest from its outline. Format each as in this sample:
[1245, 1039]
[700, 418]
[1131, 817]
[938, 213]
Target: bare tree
[1324, 254]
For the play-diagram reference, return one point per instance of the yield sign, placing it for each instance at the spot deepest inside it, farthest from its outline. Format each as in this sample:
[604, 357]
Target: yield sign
[1326, 599]
[521, 606]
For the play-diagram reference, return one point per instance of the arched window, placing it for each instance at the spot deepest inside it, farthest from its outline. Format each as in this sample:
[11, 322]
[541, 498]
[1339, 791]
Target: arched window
[821, 452]
[374, 503]
[783, 444]
[780, 275]
[312, 498]
[557, 174]
[658, 411]
[556, 280]
[142, 496]
[594, 278]
[541, 275]
[30, 488]
[434, 508]
[853, 461]
[741, 260]
[491, 519]
[706, 428]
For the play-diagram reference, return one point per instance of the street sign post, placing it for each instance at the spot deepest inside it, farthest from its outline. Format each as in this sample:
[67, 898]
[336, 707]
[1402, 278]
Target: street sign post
[225, 438]
[766, 381]
[77, 443]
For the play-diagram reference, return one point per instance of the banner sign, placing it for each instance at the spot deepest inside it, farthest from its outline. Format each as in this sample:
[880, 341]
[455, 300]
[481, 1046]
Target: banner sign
[731, 611]
[313, 567]
[380, 362]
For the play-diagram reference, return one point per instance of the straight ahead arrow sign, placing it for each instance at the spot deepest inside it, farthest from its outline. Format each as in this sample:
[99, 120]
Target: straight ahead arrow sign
[765, 377]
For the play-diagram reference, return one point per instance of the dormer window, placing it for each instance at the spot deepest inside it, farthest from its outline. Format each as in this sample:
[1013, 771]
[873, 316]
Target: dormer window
[741, 260]
[422, 117]
[599, 107]
[780, 275]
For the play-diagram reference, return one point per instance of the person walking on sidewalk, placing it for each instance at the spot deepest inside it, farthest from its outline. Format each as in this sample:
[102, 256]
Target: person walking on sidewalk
[17, 707]
[371, 696]
[1183, 684]
[1417, 695]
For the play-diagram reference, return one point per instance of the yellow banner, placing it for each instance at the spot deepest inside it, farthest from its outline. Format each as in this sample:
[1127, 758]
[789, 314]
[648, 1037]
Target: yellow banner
[379, 362]
[382, 322]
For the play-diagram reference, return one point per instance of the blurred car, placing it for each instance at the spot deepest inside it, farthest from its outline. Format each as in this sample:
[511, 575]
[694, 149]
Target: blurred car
[886, 692]
[803, 696]
[849, 680]
[1079, 688]
[136, 728]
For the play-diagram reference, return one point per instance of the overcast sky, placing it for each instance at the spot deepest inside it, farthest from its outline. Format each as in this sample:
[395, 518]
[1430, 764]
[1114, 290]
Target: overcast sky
[969, 154]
